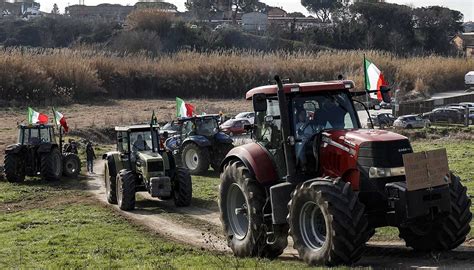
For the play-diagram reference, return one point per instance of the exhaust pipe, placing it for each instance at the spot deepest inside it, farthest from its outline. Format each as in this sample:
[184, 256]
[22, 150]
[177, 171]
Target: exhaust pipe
[288, 139]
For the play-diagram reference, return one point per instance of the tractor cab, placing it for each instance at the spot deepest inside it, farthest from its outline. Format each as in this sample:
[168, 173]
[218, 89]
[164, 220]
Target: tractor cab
[36, 134]
[206, 126]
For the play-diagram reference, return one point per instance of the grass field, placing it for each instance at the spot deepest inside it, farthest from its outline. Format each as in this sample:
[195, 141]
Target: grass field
[58, 225]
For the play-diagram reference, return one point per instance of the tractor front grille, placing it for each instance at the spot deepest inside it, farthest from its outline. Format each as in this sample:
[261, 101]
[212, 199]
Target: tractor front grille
[155, 166]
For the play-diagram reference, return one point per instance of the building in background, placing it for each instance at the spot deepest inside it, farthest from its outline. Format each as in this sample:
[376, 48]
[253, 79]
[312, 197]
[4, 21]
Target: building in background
[20, 8]
[255, 22]
[464, 43]
[156, 4]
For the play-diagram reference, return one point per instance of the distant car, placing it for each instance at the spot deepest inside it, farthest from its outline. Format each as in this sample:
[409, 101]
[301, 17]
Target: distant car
[470, 105]
[172, 128]
[250, 116]
[411, 121]
[235, 126]
[469, 80]
[385, 105]
[444, 115]
[381, 120]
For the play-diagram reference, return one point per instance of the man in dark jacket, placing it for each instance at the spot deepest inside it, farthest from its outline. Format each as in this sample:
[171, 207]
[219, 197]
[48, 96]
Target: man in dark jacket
[90, 157]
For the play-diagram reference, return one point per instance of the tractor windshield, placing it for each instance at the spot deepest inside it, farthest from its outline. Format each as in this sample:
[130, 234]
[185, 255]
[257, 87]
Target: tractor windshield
[34, 135]
[140, 140]
[207, 126]
[312, 114]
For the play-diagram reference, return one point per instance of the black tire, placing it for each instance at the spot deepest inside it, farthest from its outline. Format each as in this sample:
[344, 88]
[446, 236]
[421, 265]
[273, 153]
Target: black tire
[51, 165]
[71, 165]
[250, 239]
[201, 159]
[110, 181]
[409, 127]
[448, 233]
[182, 188]
[126, 190]
[14, 167]
[344, 230]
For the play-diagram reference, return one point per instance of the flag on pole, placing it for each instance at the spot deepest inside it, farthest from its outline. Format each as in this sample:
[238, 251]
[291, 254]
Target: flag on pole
[35, 117]
[59, 119]
[183, 109]
[374, 79]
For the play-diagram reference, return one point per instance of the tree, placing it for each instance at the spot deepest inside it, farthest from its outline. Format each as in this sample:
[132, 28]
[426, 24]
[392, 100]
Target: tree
[296, 15]
[202, 9]
[434, 26]
[322, 8]
[55, 10]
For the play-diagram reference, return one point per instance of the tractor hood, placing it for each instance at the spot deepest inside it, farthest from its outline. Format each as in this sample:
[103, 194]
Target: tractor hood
[356, 137]
[149, 156]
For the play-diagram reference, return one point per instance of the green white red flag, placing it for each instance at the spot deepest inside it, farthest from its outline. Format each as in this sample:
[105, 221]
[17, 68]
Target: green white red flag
[60, 120]
[374, 79]
[35, 117]
[183, 109]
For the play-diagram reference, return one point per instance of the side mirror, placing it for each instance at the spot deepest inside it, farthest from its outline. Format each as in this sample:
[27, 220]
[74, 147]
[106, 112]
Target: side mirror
[269, 119]
[385, 94]
[259, 102]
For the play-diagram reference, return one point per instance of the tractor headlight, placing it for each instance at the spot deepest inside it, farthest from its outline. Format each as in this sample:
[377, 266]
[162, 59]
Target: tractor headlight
[375, 172]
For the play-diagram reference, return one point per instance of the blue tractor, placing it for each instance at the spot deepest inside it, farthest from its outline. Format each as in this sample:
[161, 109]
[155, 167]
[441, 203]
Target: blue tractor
[199, 143]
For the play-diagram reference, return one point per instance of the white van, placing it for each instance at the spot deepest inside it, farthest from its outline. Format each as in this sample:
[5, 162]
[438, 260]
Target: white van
[469, 80]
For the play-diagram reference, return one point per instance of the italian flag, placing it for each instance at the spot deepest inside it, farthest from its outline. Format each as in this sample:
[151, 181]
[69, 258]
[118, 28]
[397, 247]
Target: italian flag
[60, 120]
[183, 109]
[35, 117]
[373, 79]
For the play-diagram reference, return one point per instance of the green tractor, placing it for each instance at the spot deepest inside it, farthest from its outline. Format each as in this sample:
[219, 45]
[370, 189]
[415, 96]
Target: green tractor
[38, 153]
[141, 163]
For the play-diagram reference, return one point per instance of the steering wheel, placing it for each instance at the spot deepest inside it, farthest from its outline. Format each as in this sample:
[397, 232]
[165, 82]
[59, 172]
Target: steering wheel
[311, 124]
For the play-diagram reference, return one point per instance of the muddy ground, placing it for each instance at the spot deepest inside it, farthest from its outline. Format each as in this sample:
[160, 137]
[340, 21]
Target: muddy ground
[201, 228]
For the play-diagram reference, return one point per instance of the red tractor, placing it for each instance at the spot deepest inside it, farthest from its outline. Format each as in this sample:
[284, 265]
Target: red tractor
[313, 173]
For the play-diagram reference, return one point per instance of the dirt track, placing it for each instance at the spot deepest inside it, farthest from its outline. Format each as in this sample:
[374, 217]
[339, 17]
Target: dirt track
[201, 228]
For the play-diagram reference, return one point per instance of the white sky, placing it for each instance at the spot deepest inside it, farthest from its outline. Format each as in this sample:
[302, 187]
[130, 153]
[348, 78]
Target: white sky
[465, 6]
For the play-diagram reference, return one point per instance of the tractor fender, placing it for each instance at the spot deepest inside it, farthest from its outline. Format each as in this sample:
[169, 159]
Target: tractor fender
[113, 162]
[46, 147]
[223, 138]
[201, 141]
[14, 148]
[257, 160]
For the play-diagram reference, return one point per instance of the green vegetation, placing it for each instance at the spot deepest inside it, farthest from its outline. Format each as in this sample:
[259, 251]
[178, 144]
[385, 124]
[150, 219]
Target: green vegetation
[56, 225]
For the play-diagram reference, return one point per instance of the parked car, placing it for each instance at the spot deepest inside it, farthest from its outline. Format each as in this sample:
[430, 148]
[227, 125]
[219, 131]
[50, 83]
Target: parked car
[469, 80]
[381, 120]
[250, 116]
[470, 105]
[444, 115]
[235, 126]
[385, 105]
[411, 121]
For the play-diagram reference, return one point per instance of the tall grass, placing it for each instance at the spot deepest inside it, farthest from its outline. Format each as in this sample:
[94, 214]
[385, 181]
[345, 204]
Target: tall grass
[66, 75]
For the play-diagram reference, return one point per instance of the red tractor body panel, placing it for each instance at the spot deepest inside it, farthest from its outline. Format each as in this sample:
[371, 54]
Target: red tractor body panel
[257, 160]
[340, 148]
[309, 87]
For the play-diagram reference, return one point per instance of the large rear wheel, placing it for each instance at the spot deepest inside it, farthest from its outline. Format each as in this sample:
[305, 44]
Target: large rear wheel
[71, 165]
[448, 233]
[183, 188]
[51, 165]
[195, 158]
[110, 181]
[126, 190]
[327, 223]
[241, 204]
[14, 167]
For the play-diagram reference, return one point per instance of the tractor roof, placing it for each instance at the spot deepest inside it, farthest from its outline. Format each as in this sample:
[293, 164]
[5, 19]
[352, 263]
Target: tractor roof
[307, 87]
[207, 116]
[143, 127]
[27, 126]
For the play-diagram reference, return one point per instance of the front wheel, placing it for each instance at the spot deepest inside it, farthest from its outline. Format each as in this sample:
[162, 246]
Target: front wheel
[447, 233]
[110, 181]
[195, 158]
[126, 190]
[327, 223]
[71, 165]
[183, 188]
[241, 203]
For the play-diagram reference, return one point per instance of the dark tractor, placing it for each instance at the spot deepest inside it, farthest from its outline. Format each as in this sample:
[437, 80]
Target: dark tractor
[315, 174]
[200, 143]
[38, 153]
[142, 164]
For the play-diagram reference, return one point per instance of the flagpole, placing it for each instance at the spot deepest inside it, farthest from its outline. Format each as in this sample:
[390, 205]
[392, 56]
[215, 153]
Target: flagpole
[365, 82]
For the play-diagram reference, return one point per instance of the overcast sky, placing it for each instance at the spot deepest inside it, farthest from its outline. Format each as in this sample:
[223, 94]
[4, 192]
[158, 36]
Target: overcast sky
[465, 6]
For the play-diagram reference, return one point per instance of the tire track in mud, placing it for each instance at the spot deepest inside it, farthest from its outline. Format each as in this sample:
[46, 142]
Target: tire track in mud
[201, 228]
